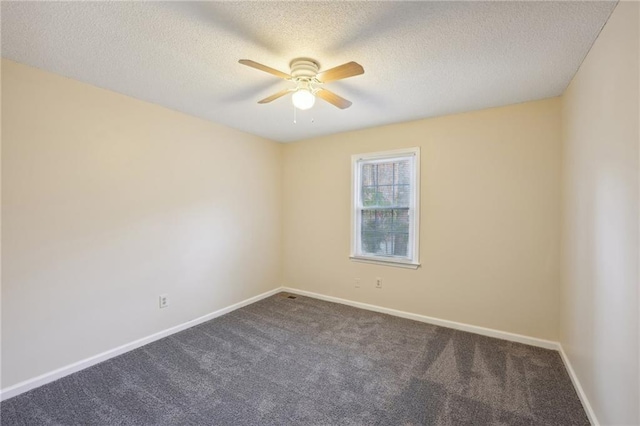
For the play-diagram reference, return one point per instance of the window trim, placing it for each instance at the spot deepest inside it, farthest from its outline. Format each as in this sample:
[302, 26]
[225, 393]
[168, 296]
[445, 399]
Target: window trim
[414, 209]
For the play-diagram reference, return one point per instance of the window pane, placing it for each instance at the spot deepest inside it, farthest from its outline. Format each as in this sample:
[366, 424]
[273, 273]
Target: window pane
[367, 174]
[402, 195]
[403, 173]
[385, 173]
[386, 184]
[385, 232]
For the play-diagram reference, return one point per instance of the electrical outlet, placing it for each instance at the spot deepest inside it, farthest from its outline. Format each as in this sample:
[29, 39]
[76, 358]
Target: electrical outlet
[378, 282]
[163, 300]
[357, 282]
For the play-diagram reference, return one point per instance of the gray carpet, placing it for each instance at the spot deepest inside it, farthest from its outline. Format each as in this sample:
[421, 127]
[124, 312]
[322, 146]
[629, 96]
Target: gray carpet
[303, 361]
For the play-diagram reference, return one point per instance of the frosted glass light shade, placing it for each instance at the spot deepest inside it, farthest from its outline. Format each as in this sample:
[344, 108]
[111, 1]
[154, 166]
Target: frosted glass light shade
[303, 99]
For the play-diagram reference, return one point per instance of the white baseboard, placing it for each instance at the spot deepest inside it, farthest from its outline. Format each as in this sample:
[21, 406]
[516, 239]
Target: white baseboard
[533, 341]
[576, 384]
[49, 377]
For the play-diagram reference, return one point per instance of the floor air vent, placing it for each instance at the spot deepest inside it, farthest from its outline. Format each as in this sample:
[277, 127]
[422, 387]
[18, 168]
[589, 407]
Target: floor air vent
[287, 295]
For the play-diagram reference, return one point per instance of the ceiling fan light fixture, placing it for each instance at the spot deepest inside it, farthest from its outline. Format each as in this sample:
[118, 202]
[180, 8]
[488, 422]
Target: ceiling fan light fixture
[303, 99]
[308, 81]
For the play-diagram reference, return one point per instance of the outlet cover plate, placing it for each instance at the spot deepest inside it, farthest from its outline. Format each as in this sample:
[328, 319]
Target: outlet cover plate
[163, 300]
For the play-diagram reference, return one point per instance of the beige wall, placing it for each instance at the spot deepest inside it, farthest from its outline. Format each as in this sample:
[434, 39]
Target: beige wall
[489, 240]
[599, 325]
[108, 202]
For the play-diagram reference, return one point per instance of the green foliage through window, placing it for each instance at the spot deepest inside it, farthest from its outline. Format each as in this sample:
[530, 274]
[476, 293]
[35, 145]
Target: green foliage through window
[385, 200]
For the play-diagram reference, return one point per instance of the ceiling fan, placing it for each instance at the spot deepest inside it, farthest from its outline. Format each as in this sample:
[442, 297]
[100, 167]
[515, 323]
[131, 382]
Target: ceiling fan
[309, 82]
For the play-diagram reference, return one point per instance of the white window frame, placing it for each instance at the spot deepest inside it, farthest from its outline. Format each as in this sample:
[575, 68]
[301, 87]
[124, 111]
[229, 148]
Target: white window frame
[357, 255]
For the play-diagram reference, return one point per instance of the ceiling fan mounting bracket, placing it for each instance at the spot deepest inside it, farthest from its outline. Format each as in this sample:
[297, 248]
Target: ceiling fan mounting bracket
[304, 69]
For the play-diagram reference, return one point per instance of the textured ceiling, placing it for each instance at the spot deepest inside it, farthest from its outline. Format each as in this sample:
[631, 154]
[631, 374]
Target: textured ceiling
[421, 59]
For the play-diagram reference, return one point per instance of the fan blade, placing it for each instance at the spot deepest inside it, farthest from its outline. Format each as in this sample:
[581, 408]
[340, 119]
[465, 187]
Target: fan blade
[333, 99]
[275, 96]
[349, 69]
[264, 68]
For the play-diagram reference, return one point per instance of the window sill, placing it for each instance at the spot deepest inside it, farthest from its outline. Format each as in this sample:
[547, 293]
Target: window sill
[395, 263]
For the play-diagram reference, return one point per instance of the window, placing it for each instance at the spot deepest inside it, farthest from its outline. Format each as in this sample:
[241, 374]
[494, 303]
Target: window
[385, 207]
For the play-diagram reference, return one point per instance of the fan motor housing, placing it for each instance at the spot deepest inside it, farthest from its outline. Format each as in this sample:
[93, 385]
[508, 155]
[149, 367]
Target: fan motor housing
[304, 68]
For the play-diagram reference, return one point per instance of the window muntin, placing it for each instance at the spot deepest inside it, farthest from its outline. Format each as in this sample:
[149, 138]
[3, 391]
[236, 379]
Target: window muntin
[385, 206]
